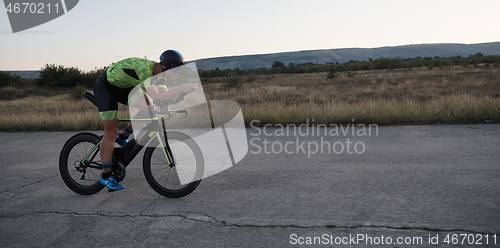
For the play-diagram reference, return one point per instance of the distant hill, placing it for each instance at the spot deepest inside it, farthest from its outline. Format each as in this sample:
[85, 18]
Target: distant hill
[346, 54]
[333, 55]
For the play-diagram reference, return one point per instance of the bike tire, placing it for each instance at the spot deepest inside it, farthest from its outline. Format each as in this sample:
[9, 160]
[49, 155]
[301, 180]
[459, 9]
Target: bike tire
[164, 179]
[72, 153]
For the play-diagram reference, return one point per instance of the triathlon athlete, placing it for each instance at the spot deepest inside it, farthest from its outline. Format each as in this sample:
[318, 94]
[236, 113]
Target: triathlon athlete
[114, 86]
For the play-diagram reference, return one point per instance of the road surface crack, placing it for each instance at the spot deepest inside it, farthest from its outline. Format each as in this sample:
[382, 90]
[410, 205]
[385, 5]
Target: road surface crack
[29, 184]
[207, 219]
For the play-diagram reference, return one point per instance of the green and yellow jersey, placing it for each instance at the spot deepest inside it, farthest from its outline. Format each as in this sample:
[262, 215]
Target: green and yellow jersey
[130, 72]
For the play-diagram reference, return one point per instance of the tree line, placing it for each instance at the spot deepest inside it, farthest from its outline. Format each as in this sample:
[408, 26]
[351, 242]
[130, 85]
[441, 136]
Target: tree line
[381, 63]
[52, 75]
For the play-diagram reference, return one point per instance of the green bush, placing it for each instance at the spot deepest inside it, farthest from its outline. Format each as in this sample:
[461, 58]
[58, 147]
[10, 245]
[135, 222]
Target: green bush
[77, 92]
[52, 75]
[231, 82]
[332, 73]
[251, 78]
[9, 93]
[6, 79]
[351, 74]
[91, 76]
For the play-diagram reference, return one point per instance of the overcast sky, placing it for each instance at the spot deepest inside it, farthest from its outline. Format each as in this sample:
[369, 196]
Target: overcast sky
[96, 33]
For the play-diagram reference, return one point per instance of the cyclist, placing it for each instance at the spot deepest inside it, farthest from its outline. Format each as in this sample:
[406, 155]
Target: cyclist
[113, 87]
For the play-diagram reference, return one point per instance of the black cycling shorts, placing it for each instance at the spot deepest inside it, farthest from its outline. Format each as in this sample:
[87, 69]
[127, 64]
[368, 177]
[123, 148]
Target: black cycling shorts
[108, 96]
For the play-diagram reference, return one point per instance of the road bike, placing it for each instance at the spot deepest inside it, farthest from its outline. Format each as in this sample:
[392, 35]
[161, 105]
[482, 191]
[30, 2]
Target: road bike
[167, 155]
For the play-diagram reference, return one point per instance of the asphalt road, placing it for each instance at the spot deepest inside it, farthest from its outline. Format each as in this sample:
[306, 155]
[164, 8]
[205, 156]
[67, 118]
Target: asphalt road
[410, 186]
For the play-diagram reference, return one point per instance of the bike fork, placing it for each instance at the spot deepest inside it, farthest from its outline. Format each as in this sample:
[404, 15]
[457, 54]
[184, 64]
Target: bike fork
[166, 147]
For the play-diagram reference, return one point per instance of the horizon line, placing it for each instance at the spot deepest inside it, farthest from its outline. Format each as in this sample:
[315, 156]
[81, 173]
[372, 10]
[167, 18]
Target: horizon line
[325, 49]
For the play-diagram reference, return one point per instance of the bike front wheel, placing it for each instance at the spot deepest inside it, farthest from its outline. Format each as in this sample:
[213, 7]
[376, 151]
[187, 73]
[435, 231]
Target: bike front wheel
[164, 177]
[78, 164]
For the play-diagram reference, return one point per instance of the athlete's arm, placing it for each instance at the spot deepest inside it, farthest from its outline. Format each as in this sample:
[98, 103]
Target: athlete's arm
[163, 94]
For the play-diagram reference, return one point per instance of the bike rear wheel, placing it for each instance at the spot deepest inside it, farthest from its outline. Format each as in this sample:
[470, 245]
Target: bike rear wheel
[81, 178]
[165, 179]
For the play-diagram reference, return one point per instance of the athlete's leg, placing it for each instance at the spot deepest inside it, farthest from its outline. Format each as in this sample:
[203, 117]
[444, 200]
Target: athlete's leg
[106, 97]
[123, 98]
[123, 136]
[108, 142]
[106, 151]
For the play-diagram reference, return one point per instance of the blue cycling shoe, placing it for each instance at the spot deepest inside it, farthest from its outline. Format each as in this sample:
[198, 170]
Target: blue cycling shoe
[120, 141]
[111, 183]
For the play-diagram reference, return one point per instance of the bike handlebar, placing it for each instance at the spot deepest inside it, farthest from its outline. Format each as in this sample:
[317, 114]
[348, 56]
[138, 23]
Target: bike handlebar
[179, 98]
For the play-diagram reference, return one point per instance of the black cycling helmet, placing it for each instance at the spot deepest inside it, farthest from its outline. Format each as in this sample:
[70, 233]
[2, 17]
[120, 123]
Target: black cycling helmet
[171, 59]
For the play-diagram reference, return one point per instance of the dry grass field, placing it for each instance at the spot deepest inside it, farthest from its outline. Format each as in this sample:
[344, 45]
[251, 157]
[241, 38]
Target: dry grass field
[451, 95]
[418, 96]
[55, 113]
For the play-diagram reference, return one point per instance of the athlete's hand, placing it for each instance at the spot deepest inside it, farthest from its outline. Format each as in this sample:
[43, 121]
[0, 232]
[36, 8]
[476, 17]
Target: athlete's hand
[189, 88]
[155, 108]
